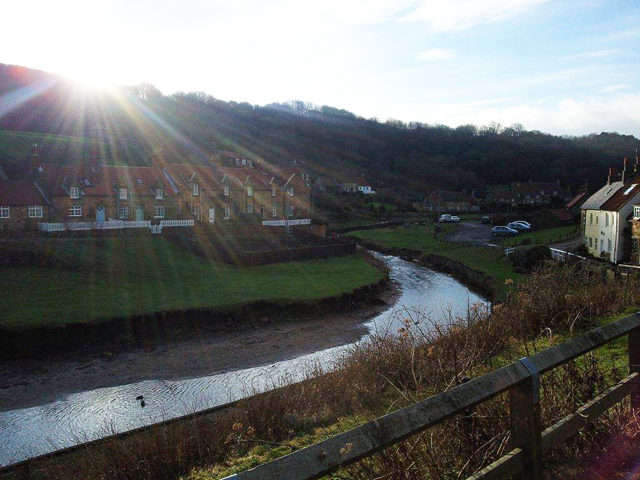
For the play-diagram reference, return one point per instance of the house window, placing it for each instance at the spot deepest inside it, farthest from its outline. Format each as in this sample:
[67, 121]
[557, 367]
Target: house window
[75, 211]
[226, 190]
[590, 242]
[158, 211]
[249, 191]
[35, 211]
[601, 244]
[227, 212]
[74, 192]
[274, 191]
[159, 194]
[609, 245]
[606, 219]
[274, 210]
[4, 212]
[591, 218]
[195, 189]
[195, 211]
[123, 193]
[291, 192]
[596, 219]
[123, 211]
[291, 210]
[249, 208]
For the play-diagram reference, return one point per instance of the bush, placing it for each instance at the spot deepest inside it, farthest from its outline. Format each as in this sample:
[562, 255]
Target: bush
[527, 259]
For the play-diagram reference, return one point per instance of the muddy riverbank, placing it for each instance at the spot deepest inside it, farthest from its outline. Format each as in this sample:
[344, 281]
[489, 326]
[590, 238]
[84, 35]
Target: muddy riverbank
[266, 339]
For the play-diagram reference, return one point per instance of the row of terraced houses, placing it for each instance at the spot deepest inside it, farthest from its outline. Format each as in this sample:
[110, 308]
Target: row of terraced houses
[229, 188]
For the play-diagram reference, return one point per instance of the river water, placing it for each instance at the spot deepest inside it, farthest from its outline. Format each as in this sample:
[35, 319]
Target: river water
[88, 415]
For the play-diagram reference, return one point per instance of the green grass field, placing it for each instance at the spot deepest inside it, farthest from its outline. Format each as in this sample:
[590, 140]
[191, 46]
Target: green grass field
[120, 277]
[547, 236]
[486, 260]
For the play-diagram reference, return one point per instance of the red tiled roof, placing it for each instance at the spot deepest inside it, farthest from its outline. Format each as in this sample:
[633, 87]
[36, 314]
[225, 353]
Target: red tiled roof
[21, 192]
[561, 214]
[576, 199]
[623, 196]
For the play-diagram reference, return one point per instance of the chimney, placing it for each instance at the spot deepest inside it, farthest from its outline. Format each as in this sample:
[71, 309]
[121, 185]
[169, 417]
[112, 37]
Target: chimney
[34, 159]
[636, 167]
[625, 174]
[612, 173]
[157, 159]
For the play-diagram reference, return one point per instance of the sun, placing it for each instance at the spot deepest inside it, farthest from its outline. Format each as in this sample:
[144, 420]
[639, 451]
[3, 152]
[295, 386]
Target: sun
[90, 77]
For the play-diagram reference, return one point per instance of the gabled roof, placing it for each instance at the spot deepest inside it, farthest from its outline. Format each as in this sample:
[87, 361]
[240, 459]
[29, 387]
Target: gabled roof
[184, 174]
[598, 199]
[561, 214]
[21, 192]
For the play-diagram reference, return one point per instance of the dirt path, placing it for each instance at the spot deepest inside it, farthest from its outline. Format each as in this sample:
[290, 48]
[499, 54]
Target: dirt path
[27, 383]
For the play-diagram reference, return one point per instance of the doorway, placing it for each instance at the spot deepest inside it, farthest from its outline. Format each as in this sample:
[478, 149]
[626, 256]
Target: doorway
[139, 213]
[99, 214]
[212, 215]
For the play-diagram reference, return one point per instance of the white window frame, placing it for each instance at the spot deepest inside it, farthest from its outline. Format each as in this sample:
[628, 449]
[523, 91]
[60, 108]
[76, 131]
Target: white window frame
[35, 211]
[227, 212]
[75, 211]
[292, 211]
[195, 189]
[195, 211]
[249, 191]
[291, 191]
[123, 212]
[274, 191]
[274, 210]
[249, 208]
[159, 211]
[159, 194]
[5, 212]
[226, 190]
[74, 192]
[123, 193]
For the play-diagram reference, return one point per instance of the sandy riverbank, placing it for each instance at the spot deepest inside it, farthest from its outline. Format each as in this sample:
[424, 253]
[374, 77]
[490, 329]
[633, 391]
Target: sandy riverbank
[29, 382]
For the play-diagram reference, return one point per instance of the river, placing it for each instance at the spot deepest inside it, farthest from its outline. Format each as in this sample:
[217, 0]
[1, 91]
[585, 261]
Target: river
[77, 417]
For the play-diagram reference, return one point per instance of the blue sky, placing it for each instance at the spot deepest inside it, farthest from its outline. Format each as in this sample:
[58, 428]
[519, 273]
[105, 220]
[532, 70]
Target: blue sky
[560, 66]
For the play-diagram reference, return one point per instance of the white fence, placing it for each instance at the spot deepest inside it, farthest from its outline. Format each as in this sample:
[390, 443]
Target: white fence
[284, 223]
[562, 255]
[176, 223]
[113, 224]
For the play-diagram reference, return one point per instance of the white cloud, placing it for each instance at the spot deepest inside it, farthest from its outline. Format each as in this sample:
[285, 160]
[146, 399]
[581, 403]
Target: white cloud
[435, 54]
[568, 116]
[442, 15]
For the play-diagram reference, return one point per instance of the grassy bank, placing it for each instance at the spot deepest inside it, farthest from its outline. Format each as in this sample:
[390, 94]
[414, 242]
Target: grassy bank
[394, 370]
[90, 280]
[545, 237]
[421, 237]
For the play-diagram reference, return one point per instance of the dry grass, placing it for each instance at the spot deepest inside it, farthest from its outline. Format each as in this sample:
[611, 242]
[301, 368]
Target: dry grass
[389, 371]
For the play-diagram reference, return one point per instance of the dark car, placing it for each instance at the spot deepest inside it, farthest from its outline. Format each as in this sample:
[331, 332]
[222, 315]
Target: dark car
[485, 221]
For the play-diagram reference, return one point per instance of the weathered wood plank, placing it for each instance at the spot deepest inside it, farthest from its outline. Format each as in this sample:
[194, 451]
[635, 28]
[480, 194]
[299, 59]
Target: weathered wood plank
[353, 445]
[571, 424]
[526, 427]
[577, 346]
[505, 467]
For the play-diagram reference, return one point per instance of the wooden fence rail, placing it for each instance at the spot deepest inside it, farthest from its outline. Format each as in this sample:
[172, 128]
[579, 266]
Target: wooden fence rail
[520, 379]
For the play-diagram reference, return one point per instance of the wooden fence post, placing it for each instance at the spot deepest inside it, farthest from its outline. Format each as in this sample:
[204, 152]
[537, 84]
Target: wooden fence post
[526, 425]
[634, 363]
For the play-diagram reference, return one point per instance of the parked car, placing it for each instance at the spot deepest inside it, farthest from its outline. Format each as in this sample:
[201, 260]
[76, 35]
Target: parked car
[518, 226]
[446, 218]
[455, 219]
[523, 223]
[486, 221]
[503, 231]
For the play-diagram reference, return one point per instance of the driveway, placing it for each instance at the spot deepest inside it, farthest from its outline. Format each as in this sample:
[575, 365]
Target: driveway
[473, 232]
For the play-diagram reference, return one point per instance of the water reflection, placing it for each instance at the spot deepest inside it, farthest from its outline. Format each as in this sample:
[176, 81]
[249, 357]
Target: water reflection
[89, 415]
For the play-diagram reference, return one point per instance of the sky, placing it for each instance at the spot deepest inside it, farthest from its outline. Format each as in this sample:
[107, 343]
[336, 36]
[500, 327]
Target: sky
[560, 66]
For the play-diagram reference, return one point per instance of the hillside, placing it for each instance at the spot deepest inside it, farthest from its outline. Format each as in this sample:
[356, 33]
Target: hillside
[132, 121]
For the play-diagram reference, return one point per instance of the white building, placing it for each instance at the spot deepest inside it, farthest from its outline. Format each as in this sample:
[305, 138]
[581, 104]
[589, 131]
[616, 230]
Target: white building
[606, 214]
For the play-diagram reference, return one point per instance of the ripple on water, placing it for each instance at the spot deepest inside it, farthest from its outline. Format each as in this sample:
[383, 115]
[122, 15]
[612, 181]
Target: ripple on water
[92, 414]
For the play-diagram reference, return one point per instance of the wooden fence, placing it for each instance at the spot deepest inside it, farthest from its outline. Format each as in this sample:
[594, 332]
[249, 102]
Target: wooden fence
[522, 382]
